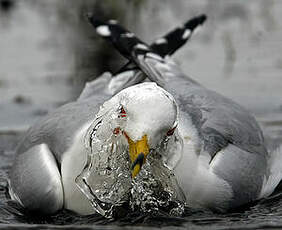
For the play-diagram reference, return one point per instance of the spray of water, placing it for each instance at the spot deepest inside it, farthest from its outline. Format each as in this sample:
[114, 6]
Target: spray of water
[106, 178]
[155, 188]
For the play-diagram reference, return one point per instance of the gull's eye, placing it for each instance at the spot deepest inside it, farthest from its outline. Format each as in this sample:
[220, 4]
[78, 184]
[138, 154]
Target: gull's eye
[171, 131]
[116, 131]
[122, 112]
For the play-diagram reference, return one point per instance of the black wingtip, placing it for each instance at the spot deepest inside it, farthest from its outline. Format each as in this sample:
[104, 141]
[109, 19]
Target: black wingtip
[122, 39]
[195, 22]
[202, 18]
[178, 37]
[94, 20]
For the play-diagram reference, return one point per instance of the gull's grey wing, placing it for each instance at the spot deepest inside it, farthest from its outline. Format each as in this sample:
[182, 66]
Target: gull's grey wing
[220, 121]
[97, 87]
[59, 127]
[35, 181]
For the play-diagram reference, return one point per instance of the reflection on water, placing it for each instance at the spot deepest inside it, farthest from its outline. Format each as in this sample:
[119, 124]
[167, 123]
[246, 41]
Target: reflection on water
[48, 51]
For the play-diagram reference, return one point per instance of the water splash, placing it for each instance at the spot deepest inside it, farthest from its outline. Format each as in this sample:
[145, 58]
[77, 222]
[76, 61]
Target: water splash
[106, 178]
[155, 188]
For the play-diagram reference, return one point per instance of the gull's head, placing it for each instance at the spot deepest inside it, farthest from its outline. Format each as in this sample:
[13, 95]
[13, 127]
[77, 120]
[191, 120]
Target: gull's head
[144, 116]
[150, 117]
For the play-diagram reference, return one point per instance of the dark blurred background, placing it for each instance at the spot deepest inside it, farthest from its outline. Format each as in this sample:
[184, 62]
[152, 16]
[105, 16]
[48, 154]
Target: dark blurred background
[48, 51]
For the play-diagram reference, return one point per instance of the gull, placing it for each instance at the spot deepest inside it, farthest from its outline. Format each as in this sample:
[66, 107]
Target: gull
[52, 153]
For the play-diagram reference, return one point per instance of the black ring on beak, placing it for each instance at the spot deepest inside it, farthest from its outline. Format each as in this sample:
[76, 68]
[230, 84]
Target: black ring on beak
[139, 160]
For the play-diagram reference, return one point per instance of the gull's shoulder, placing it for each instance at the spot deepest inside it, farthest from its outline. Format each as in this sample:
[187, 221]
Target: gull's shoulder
[58, 128]
[219, 120]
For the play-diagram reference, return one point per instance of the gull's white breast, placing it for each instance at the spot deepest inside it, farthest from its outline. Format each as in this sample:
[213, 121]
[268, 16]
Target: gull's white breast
[73, 162]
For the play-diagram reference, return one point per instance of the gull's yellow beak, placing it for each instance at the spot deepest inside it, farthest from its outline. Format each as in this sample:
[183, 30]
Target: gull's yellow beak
[138, 152]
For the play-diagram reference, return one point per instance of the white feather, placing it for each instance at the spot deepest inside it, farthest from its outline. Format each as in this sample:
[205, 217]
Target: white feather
[103, 30]
[72, 164]
[186, 34]
[275, 173]
[141, 47]
[160, 41]
[201, 186]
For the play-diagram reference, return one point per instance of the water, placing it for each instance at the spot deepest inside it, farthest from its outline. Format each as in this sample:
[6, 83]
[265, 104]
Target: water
[48, 51]
[105, 182]
[108, 185]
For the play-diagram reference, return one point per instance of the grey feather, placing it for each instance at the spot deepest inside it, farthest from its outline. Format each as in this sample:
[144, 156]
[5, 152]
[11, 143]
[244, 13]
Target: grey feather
[58, 128]
[35, 180]
[244, 172]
